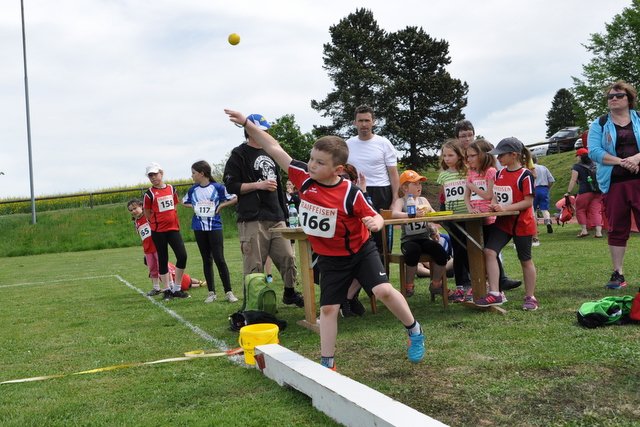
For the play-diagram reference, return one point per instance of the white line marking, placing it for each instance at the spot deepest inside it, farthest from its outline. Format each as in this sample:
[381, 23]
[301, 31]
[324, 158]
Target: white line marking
[198, 331]
[202, 334]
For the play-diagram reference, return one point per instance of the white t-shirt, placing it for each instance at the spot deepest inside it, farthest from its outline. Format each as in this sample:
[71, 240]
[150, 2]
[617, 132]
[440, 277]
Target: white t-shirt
[372, 157]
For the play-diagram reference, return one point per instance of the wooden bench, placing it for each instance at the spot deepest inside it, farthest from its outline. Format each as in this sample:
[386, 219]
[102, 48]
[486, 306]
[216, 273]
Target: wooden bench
[391, 258]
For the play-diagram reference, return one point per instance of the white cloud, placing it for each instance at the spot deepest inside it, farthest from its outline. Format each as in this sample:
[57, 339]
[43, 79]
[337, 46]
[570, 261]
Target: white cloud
[117, 84]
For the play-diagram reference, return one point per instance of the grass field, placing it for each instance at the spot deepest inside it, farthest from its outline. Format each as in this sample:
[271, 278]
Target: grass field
[70, 312]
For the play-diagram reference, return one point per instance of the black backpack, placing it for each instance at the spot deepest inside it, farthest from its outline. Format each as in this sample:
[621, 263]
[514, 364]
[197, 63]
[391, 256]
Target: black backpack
[592, 180]
[243, 318]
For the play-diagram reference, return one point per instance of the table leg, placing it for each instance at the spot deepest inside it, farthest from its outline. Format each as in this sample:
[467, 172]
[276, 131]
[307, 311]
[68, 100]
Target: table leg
[477, 267]
[308, 287]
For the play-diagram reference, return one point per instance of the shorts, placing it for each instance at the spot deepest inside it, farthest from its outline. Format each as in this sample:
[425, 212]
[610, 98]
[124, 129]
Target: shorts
[541, 199]
[498, 239]
[337, 273]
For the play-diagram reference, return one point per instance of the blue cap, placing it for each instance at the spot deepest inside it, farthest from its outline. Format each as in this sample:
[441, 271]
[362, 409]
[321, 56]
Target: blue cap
[259, 120]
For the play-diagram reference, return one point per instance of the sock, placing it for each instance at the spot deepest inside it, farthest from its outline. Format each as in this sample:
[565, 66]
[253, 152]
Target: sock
[414, 328]
[495, 294]
[156, 285]
[327, 362]
[174, 287]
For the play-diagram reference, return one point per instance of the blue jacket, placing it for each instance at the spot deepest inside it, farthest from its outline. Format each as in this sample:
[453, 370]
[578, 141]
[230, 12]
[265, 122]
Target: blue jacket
[602, 140]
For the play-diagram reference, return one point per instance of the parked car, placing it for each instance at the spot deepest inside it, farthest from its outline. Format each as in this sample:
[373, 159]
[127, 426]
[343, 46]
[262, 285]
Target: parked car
[539, 149]
[563, 140]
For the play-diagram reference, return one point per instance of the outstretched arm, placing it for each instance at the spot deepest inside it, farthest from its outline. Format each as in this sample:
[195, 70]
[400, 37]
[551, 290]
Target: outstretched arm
[266, 141]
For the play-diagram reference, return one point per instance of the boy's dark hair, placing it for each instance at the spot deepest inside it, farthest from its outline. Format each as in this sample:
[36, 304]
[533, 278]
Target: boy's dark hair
[463, 125]
[204, 168]
[361, 109]
[335, 146]
[632, 94]
[134, 201]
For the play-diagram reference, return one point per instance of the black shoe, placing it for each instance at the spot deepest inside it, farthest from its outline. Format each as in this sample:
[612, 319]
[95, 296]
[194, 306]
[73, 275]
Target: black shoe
[295, 298]
[181, 294]
[508, 284]
[167, 295]
[549, 229]
[345, 309]
[154, 292]
[356, 307]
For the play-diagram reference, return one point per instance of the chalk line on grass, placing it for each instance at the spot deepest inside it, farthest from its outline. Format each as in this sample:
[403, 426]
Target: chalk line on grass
[195, 329]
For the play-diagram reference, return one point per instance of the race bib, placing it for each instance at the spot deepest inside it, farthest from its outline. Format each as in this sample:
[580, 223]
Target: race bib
[481, 184]
[504, 194]
[165, 203]
[144, 231]
[205, 208]
[317, 220]
[454, 190]
[414, 228]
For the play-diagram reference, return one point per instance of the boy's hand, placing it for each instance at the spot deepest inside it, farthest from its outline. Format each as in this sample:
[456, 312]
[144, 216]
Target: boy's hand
[373, 223]
[236, 117]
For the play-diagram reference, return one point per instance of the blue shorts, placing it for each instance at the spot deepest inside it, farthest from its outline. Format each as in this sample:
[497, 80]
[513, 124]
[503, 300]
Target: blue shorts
[541, 199]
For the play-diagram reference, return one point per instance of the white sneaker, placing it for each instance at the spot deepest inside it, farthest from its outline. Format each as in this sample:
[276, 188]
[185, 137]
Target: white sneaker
[211, 298]
[535, 242]
[231, 297]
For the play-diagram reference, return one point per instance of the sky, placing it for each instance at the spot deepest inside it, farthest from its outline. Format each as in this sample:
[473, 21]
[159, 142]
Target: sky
[117, 84]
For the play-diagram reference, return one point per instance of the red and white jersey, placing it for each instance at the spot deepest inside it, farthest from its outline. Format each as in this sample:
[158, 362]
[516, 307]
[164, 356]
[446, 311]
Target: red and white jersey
[144, 231]
[512, 187]
[162, 203]
[329, 217]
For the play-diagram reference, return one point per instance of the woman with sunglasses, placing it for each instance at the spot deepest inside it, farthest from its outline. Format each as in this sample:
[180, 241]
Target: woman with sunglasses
[614, 144]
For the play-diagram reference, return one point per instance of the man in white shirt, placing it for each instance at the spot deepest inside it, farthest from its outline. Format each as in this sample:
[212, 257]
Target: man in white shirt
[376, 158]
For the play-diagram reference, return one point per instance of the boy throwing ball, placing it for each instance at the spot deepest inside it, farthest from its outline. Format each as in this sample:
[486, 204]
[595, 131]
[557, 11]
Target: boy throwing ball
[337, 220]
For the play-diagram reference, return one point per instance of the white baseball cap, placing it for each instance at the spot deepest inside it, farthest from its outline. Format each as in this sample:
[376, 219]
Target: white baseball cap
[153, 168]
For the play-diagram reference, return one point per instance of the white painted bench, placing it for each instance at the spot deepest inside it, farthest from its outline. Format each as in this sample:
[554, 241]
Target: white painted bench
[341, 398]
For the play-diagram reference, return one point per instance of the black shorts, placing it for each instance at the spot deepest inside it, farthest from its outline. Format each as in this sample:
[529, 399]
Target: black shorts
[337, 273]
[498, 239]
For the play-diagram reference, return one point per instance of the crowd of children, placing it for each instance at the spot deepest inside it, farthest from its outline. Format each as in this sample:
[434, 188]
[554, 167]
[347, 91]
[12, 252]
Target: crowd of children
[346, 257]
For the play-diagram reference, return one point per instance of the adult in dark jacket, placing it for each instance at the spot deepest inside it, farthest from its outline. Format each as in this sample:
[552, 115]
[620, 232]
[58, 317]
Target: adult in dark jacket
[255, 178]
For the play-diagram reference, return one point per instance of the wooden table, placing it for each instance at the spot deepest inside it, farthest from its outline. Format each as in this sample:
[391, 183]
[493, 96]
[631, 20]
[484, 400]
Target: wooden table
[475, 246]
[306, 274]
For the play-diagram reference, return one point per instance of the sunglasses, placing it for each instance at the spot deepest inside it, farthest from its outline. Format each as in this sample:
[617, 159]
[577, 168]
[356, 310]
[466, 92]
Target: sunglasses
[616, 95]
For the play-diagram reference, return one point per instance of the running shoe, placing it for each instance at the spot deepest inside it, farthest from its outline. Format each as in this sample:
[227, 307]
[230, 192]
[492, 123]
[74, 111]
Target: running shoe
[345, 309]
[154, 292]
[416, 349]
[489, 300]
[211, 297]
[231, 297]
[616, 282]
[530, 304]
[457, 296]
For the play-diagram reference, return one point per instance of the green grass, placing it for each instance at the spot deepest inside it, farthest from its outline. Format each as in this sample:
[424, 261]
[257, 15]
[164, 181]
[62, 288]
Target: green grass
[523, 368]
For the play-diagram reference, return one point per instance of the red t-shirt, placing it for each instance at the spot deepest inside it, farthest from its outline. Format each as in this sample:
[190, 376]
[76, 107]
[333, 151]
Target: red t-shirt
[333, 227]
[185, 284]
[512, 187]
[162, 204]
[144, 231]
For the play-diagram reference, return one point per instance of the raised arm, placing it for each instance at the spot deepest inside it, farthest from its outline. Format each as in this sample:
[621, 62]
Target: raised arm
[262, 138]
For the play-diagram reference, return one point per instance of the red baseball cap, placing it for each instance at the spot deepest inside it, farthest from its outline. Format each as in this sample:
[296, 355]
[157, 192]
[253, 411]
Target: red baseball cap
[582, 151]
